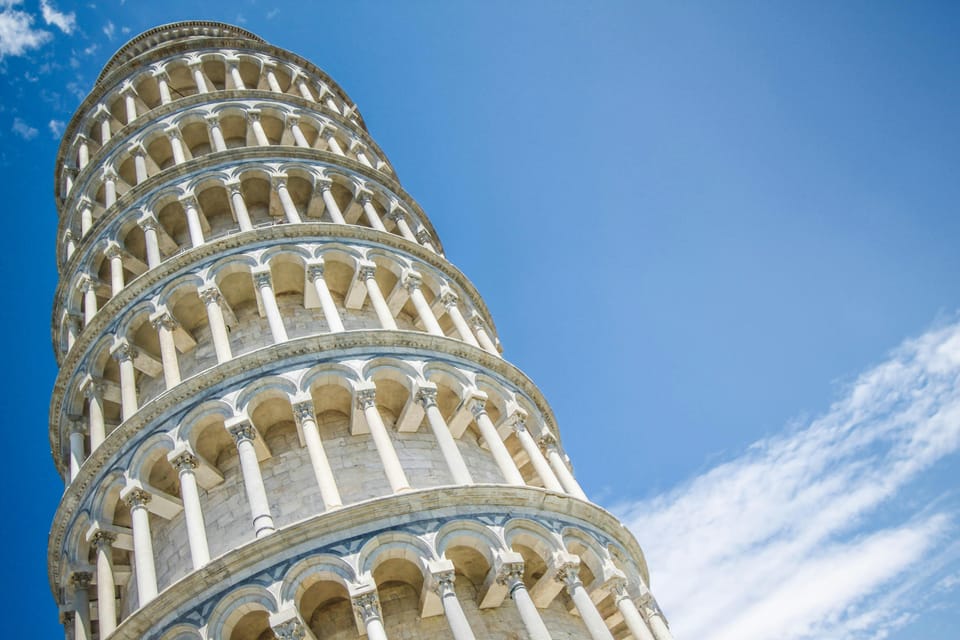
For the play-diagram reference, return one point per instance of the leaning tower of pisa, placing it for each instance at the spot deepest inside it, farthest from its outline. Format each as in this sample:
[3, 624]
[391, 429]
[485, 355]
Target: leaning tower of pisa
[281, 412]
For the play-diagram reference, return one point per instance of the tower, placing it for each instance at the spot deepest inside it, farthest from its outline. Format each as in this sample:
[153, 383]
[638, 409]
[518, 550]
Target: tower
[281, 412]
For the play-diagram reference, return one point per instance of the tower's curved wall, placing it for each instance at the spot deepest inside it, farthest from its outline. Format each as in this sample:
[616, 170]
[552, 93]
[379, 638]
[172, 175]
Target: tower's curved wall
[280, 411]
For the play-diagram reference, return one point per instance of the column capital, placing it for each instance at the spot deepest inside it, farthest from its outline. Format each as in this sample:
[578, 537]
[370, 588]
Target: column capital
[108, 173]
[367, 270]
[147, 221]
[189, 201]
[123, 350]
[81, 579]
[242, 429]
[423, 236]
[291, 120]
[547, 441]
[86, 282]
[183, 460]
[517, 421]
[101, 111]
[277, 181]
[102, 539]
[162, 318]
[427, 397]
[315, 270]
[396, 214]
[367, 606]
[364, 197]
[477, 406]
[210, 294]
[137, 149]
[412, 281]
[569, 574]
[92, 387]
[510, 574]
[160, 73]
[268, 64]
[303, 410]
[233, 186]
[441, 582]
[173, 131]
[252, 115]
[135, 496]
[366, 398]
[113, 250]
[448, 298]
[289, 630]
[324, 184]
[212, 119]
[76, 424]
[66, 618]
[127, 89]
[262, 278]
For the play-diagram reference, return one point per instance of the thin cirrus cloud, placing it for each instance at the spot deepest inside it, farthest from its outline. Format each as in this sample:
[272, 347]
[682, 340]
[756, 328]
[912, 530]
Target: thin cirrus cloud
[819, 531]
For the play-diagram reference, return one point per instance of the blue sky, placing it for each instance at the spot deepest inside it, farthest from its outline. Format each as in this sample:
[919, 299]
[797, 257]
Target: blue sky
[722, 238]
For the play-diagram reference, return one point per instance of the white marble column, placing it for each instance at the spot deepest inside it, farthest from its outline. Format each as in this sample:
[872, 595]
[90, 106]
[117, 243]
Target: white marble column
[294, 123]
[186, 464]
[263, 282]
[289, 208]
[367, 402]
[301, 81]
[427, 398]
[102, 541]
[139, 162]
[211, 297]
[367, 607]
[198, 79]
[86, 215]
[631, 616]
[115, 256]
[253, 117]
[357, 148]
[330, 203]
[70, 243]
[176, 144]
[163, 85]
[123, 352]
[449, 300]
[654, 616]
[233, 69]
[149, 225]
[327, 304]
[307, 422]
[569, 576]
[548, 444]
[491, 437]
[74, 326]
[129, 102]
[366, 201]
[456, 618]
[103, 117]
[88, 286]
[269, 70]
[332, 144]
[83, 150]
[165, 324]
[109, 187]
[412, 282]
[217, 143]
[239, 205]
[376, 297]
[93, 391]
[80, 582]
[511, 575]
[399, 218]
[78, 435]
[328, 99]
[191, 209]
[482, 337]
[244, 434]
[539, 462]
[137, 499]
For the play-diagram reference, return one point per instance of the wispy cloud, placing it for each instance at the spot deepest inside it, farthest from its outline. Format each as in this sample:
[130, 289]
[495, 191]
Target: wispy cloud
[23, 130]
[809, 534]
[56, 128]
[17, 33]
[66, 22]
[109, 30]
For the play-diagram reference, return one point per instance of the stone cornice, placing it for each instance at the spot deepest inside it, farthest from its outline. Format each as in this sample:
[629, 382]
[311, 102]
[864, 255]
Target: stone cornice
[333, 346]
[220, 159]
[106, 83]
[120, 138]
[295, 232]
[368, 517]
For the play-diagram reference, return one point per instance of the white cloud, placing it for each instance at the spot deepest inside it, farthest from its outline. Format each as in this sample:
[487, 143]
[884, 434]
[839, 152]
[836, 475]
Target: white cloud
[778, 542]
[23, 130]
[109, 30]
[56, 128]
[17, 35]
[66, 22]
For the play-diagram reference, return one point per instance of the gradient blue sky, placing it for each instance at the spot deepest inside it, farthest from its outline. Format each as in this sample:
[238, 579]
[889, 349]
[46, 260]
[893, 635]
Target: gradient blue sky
[722, 238]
